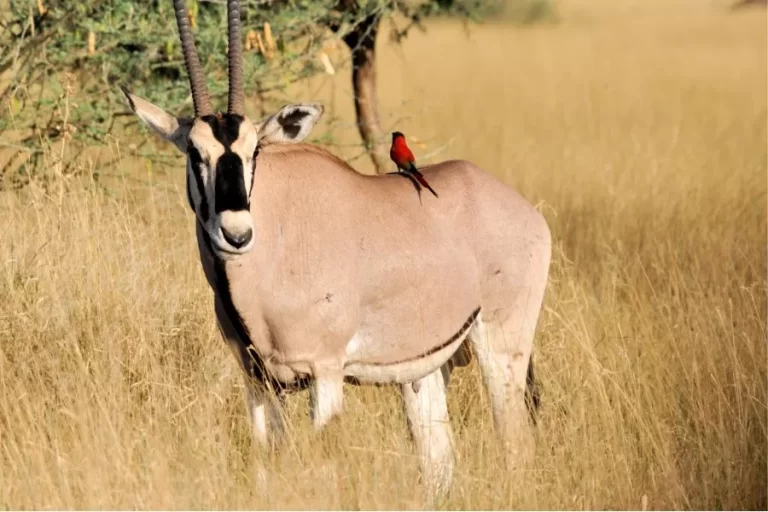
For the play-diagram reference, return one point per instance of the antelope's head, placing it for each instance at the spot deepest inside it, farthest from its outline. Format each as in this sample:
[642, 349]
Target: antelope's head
[221, 148]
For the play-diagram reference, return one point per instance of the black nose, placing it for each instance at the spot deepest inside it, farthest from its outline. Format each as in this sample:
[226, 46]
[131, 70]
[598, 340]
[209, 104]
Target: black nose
[239, 240]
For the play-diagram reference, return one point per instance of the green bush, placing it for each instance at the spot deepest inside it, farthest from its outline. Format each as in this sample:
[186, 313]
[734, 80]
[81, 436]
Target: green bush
[137, 45]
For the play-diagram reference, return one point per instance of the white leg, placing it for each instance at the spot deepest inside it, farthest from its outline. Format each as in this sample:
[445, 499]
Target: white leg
[503, 351]
[326, 399]
[427, 413]
[265, 411]
[267, 426]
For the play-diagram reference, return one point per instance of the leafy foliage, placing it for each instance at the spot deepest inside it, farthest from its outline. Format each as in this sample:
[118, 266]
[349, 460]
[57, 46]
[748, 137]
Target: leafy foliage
[137, 45]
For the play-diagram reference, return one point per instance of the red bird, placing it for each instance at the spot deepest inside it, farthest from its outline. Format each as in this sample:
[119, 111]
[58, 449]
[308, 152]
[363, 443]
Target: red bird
[403, 158]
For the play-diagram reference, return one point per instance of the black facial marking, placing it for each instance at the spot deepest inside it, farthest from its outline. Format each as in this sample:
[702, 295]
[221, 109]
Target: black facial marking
[230, 178]
[230, 185]
[290, 122]
[196, 162]
[225, 127]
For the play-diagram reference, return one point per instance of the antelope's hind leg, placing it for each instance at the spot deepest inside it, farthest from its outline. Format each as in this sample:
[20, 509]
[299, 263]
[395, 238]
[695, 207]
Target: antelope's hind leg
[427, 413]
[503, 350]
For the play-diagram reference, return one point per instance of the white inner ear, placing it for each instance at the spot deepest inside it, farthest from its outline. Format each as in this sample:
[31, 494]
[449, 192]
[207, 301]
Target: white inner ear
[292, 123]
[297, 122]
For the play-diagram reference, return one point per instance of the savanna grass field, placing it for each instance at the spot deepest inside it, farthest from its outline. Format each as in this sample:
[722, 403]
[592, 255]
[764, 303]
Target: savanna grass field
[637, 128]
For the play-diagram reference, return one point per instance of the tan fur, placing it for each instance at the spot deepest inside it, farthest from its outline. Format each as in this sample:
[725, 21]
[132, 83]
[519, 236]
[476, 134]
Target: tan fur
[339, 255]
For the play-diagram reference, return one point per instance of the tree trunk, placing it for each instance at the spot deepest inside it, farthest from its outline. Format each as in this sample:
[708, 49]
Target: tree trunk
[362, 42]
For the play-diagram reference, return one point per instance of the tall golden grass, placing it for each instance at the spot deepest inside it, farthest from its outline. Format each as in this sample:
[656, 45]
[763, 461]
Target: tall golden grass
[640, 135]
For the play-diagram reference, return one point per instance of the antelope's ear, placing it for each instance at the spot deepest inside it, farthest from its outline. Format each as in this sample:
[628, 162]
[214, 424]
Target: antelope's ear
[169, 127]
[292, 123]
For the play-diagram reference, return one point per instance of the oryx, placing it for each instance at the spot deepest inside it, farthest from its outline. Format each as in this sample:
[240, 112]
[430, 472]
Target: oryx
[323, 275]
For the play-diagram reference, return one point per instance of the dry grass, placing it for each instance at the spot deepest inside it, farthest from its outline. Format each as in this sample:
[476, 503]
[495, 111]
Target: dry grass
[644, 141]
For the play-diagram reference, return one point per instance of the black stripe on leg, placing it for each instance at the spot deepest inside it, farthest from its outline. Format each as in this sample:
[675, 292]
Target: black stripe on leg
[532, 396]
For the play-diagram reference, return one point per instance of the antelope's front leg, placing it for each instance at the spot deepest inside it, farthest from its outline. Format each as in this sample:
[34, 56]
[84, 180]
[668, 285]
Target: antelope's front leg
[264, 407]
[427, 412]
[265, 410]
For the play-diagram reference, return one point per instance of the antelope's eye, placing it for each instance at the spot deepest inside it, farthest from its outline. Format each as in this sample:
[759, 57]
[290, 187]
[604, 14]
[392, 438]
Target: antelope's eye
[195, 158]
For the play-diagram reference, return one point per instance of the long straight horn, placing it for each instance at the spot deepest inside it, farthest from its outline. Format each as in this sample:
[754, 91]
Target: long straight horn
[200, 98]
[236, 93]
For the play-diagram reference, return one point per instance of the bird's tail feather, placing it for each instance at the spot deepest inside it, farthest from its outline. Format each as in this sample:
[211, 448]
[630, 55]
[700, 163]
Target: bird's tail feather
[422, 180]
